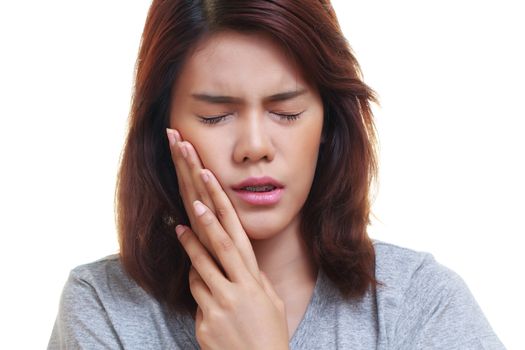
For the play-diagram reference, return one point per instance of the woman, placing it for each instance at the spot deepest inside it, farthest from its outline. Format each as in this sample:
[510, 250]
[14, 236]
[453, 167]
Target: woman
[243, 200]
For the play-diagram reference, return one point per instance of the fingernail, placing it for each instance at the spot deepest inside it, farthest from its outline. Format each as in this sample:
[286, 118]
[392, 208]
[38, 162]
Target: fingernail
[171, 136]
[199, 208]
[183, 149]
[174, 133]
[204, 176]
[179, 229]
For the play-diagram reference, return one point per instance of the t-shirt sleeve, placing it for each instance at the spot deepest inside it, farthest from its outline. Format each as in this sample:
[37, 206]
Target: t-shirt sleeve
[438, 311]
[82, 321]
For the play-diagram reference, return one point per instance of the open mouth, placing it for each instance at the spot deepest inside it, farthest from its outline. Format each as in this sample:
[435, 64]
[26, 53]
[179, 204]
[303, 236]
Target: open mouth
[263, 188]
[259, 190]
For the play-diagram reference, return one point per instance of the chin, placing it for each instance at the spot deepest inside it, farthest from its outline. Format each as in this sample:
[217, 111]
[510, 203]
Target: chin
[263, 227]
[259, 235]
[257, 231]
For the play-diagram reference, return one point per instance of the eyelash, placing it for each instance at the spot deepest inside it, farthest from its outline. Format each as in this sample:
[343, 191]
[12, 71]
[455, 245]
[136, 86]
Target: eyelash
[217, 119]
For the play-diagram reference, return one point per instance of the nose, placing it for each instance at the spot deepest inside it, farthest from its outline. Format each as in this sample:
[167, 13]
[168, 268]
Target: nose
[254, 141]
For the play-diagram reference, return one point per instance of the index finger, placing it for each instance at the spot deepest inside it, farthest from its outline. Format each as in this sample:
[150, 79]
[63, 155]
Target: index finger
[223, 245]
[190, 186]
[201, 259]
[228, 218]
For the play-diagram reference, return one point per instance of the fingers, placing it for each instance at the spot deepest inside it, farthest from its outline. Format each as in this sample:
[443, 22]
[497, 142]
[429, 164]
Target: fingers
[203, 263]
[229, 220]
[196, 183]
[178, 155]
[200, 291]
[193, 168]
[187, 165]
[222, 244]
[199, 316]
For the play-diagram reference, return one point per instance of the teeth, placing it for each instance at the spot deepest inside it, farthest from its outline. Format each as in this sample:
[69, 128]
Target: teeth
[264, 188]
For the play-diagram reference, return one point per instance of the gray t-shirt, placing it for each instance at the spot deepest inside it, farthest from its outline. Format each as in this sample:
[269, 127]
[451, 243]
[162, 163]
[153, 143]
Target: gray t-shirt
[423, 305]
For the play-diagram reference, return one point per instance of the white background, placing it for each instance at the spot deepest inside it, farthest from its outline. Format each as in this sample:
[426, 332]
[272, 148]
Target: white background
[450, 76]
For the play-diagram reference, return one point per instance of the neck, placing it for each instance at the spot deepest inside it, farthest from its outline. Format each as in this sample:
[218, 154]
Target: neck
[285, 260]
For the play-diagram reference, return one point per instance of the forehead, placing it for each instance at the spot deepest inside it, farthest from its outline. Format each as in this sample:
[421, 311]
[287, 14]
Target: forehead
[238, 62]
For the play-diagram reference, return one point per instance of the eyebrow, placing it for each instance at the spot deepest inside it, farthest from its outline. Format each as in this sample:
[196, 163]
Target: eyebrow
[217, 99]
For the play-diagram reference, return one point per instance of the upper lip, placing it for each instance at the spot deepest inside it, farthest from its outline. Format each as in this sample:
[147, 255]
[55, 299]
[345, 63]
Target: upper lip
[257, 181]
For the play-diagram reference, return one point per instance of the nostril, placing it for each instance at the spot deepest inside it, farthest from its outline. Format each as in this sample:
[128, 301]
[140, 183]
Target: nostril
[247, 158]
[249, 148]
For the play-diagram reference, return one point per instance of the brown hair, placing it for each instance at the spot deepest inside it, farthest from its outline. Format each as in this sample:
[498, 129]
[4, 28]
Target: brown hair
[336, 213]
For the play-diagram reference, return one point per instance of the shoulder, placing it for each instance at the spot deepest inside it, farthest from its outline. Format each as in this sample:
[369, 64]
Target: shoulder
[399, 267]
[102, 271]
[102, 307]
[106, 279]
[99, 287]
[425, 304]
[108, 266]
[413, 281]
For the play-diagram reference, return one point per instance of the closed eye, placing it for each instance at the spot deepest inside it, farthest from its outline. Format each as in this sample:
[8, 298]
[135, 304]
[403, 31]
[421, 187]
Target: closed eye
[288, 117]
[219, 118]
[212, 119]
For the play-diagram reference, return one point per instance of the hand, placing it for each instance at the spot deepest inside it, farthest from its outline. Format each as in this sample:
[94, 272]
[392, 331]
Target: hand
[237, 309]
[234, 311]
[191, 188]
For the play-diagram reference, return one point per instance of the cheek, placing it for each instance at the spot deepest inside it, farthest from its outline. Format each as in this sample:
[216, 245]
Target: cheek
[306, 154]
[308, 141]
[211, 147]
[213, 157]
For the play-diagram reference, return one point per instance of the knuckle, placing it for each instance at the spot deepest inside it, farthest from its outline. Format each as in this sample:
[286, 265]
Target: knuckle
[206, 243]
[210, 276]
[226, 301]
[191, 272]
[252, 288]
[221, 212]
[199, 259]
[193, 277]
[182, 187]
[216, 316]
[214, 192]
[193, 284]
[202, 333]
[191, 163]
[226, 244]
[201, 194]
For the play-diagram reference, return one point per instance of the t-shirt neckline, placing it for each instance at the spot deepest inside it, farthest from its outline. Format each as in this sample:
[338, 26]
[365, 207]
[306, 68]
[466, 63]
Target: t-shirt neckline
[312, 312]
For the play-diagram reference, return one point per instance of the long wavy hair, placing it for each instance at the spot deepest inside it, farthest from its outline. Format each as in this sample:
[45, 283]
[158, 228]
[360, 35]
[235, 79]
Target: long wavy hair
[335, 216]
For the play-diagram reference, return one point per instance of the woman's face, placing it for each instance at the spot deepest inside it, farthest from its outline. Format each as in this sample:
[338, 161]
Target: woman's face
[253, 139]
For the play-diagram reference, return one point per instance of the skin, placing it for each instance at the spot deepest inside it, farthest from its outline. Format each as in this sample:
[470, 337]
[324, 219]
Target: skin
[253, 139]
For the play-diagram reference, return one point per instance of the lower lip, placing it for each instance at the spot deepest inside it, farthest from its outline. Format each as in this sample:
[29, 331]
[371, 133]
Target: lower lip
[261, 198]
